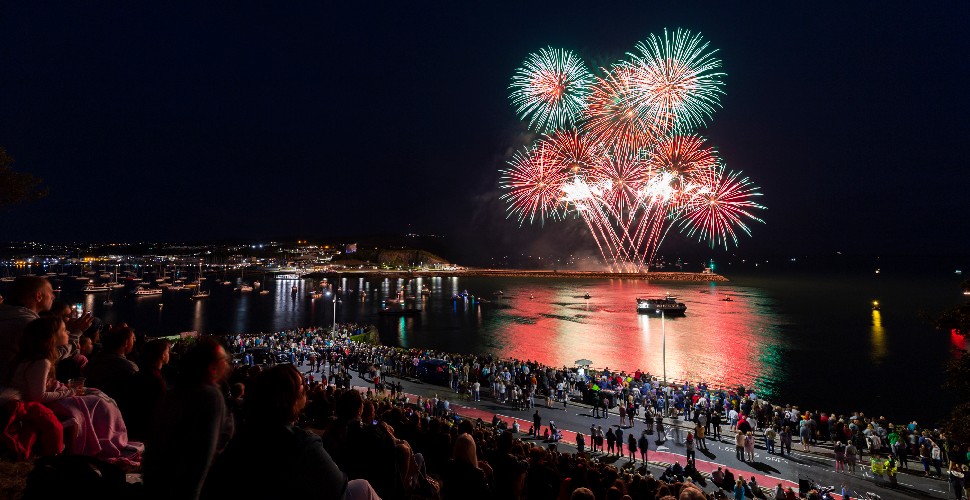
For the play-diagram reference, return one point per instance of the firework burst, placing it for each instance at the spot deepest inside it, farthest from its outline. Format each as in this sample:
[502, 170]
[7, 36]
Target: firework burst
[618, 151]
[534, 185]
[550, 89]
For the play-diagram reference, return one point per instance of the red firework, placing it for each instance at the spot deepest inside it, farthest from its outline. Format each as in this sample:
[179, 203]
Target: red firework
[534, 184]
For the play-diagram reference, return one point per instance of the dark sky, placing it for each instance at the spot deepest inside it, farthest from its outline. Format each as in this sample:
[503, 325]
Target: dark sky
[293, 119]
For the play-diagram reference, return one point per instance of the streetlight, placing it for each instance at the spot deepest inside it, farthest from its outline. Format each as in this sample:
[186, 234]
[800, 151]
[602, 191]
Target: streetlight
[663, 331]
[335, 300]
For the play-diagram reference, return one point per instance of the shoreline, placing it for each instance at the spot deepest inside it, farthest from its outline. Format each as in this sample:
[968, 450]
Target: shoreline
[532, 273]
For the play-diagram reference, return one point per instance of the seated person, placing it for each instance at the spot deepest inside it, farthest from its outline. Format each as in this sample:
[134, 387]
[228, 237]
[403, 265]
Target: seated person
[300, 467]
[141, 399]
[100, 431]
[110, 371]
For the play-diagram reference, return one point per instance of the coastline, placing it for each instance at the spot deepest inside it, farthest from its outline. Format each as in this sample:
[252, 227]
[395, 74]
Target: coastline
[532, 273]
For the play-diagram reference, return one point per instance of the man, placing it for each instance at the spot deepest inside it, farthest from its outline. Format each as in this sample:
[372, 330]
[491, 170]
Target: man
[191, 427]
[536, 423]
[110, 370]
[29, 296]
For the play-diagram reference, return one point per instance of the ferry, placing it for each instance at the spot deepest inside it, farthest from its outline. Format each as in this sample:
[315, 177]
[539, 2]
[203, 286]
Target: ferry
[288, 276]
[142, 291]
[667, 305]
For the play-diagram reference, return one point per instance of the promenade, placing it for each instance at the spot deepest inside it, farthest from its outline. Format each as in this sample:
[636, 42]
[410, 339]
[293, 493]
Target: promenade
[769, 470]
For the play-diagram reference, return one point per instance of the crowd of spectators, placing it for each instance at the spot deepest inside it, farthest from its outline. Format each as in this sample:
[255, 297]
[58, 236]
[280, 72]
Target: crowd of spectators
[225, 402]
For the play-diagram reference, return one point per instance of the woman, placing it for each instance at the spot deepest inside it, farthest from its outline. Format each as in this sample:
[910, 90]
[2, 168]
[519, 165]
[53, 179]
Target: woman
[464, 476]
[300, 466]
[749, 446]
[599, 437]
[631, 446]
[610, 441]
[100, 430]
[739, 489]
[839, 450]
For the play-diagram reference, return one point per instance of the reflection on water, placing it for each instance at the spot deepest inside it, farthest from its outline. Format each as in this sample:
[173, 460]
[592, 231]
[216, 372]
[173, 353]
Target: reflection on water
[878, 338]
[784, 336]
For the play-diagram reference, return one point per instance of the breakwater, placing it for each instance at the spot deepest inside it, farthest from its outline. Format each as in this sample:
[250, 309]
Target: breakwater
[526, 273]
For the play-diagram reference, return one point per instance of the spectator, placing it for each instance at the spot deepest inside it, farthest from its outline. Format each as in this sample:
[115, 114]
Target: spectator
[300, 466]
[465, 477]
[143, 397]
[29, 296]
[99, 428]
[110, 370]
[191, 426]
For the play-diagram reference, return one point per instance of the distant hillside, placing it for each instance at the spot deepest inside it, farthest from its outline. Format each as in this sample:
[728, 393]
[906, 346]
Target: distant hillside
[391, 257]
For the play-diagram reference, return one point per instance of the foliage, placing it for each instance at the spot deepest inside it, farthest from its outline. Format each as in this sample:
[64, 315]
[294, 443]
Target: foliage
[17, 187]
[957, 424]
[957, 318]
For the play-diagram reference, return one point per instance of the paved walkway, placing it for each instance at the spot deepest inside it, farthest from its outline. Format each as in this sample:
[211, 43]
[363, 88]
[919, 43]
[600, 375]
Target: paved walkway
[768, 469]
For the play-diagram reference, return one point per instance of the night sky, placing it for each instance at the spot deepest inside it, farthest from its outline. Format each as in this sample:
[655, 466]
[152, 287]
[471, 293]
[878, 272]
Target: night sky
[319, 119]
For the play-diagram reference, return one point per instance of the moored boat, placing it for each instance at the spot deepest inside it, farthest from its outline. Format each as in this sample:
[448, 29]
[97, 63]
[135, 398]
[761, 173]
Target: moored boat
[667, 305]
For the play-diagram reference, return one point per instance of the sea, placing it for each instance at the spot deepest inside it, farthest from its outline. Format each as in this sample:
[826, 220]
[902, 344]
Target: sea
[810, 338]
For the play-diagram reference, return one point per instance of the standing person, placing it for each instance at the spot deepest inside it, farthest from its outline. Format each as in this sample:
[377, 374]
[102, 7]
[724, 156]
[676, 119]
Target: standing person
[661, 432]
[739, 445]
[592, 437]
[839, 450]
[785, 437]
[610, 441]
[619, 442]
[148, 388]
[631, 447]
[771, 433]
[580, 442]
[192, 425]
[536, 423]
[749, 446]
[622, 412]
[851, 455]
[599, 437]
[689, 442]
[716, 425]
[644, 446]
[699, 436]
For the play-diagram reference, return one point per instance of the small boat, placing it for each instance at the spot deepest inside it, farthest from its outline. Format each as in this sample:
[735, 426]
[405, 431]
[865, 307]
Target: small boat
[586, 296]
[875, 305]
[288, 276]
[142, 291]
[727, 299]
[499, 293]
[92, 288]
[667, 305]
[199, 294]
[244, 288]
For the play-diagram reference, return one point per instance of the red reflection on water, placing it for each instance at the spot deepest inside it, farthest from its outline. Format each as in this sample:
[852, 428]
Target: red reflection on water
[717, 341]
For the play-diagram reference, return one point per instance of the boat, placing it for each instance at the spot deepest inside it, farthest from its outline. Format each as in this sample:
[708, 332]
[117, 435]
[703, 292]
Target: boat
[142, 291]
[586, 296]
[727, 299]
[93, 288]
[667, 305]
[287, 276]
[244, 288]
[398, 308]
[199, 294]
[875, 305]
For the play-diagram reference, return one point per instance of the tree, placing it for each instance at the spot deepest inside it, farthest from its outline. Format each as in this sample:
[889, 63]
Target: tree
[957, 424]
[17, 187]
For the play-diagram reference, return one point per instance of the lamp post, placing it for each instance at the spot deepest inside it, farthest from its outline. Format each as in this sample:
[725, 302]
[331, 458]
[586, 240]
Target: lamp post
[335, 300]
